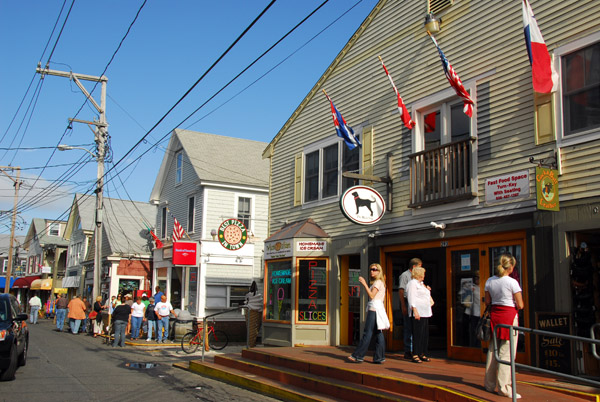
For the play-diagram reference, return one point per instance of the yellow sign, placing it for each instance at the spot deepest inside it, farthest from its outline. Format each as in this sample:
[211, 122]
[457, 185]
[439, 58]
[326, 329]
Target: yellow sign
[546, 184]
[60, 290]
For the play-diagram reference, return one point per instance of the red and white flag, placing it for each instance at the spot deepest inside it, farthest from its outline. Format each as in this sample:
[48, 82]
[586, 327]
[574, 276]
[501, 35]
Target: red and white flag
[455, 81]
[177, 230]
[545, 79]
[408, 122]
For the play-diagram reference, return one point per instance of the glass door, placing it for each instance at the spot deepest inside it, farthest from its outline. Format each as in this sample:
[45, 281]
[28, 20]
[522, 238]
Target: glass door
[466, 300]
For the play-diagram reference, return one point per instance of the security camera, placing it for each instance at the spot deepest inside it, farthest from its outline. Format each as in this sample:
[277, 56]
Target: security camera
[441, 226]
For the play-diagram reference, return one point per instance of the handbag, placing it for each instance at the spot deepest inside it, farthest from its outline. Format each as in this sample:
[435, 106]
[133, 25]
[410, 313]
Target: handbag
[483, 329]
[92, 315]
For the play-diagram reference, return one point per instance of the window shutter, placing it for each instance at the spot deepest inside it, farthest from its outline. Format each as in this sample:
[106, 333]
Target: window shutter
[367, 153]
[298, 179]
[544, 118]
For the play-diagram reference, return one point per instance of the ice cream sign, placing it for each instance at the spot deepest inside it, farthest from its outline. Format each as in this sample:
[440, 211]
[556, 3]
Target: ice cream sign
[510, 187]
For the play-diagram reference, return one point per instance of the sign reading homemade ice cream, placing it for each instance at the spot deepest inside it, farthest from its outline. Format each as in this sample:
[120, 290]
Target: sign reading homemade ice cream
[509, 187]
[311, 246]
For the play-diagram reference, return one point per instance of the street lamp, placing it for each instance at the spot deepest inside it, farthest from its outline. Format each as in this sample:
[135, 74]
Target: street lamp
[98, 227]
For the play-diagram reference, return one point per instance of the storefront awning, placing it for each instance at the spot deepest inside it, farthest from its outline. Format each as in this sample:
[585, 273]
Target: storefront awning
[24, 283]
[71, 282]
[36, 285]
[3, 282]
[46, 284]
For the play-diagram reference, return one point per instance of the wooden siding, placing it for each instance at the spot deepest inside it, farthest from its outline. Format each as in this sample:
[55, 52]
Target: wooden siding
[481, 39]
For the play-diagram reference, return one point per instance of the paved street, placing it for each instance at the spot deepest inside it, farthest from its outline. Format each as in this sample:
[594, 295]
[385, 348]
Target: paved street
[66, 367]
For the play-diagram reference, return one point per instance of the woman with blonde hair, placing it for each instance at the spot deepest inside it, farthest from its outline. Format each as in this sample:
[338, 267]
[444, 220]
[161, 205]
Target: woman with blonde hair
[419, 308]
[504, 294]
[377, 319]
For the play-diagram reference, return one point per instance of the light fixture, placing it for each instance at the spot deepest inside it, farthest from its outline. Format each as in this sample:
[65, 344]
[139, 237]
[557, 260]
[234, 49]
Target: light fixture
[441, 226]
[432, 24]
[213, 233]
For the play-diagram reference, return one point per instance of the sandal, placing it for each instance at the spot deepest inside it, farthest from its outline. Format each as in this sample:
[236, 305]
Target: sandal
[354, 359]
[415, 359]
[424, 358]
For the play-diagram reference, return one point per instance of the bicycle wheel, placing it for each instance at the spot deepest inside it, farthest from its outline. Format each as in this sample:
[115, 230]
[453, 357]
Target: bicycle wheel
[190, 342]
[217, 339]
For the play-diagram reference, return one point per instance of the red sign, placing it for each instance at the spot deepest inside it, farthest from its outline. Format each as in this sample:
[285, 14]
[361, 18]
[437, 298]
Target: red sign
[185, 253]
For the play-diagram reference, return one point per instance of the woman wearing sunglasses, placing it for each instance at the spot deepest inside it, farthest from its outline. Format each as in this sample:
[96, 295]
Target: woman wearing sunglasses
[377, 319]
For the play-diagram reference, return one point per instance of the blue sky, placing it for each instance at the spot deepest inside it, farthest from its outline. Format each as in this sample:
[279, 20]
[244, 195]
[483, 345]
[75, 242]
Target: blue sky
[169, 47]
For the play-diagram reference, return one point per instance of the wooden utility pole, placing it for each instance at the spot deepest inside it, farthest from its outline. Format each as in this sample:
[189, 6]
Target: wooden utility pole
[12, 228]
[100, 136]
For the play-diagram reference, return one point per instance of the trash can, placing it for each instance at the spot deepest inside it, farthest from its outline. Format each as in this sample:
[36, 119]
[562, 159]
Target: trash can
[183, 324]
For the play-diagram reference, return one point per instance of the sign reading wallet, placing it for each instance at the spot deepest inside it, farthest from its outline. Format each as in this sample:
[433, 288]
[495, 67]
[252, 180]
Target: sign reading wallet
[185, 253]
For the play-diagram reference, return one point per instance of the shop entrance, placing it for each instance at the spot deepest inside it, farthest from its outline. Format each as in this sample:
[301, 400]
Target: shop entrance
[434, 262]
[350, 299]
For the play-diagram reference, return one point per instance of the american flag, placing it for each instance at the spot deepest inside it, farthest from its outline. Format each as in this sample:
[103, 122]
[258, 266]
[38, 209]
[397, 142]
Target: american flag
[455, 81]
[408, 122]
[343, 130]
[177, 230]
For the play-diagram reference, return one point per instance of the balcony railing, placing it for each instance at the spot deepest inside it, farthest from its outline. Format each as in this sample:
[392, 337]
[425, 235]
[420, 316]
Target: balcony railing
[442, 175]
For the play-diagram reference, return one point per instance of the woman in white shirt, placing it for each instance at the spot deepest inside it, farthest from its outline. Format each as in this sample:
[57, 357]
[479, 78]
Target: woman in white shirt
[377, 319]
[137, 316]
[504, 294]
[419, 308]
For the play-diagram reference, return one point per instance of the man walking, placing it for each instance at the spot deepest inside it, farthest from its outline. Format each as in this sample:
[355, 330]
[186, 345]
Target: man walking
[162, 310]
[407, 324]
[35, 304]
[61, 311]
[76, 314]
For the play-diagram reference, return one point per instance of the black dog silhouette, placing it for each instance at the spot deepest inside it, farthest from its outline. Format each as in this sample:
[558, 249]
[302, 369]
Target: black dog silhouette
[361, 202]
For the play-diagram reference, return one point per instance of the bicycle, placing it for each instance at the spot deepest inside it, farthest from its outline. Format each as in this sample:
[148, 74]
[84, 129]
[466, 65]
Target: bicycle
[217, 339]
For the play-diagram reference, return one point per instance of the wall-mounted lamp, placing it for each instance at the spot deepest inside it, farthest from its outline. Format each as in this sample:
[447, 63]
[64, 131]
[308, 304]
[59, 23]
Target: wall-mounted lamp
[432, 24]
[238, 259]
[440, 227]
[213, 233]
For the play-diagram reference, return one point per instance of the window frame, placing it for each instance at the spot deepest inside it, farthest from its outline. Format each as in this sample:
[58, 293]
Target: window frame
[320, 147]
[163, 222]
[250, 225]
[54, 226]
[179, 167]
[191, 214]
[585, 135]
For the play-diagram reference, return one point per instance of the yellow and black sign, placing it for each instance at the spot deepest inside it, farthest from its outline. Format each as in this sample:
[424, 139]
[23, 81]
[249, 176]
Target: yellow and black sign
[546, 184]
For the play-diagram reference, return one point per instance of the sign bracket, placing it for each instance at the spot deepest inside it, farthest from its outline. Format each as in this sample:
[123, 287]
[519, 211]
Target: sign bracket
[388, 180]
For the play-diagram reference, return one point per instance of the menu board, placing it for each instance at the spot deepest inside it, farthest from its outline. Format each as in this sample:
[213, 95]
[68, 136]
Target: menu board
[312, 290]
[554, 353]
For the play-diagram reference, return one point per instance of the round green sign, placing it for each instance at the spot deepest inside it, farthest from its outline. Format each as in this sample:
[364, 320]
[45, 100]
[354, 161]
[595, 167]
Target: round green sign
[232, 234]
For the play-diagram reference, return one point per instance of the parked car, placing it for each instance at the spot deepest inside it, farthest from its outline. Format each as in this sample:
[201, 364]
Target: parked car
[14, 337]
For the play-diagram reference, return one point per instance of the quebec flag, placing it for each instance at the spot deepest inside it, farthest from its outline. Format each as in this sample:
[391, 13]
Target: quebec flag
[545, 79]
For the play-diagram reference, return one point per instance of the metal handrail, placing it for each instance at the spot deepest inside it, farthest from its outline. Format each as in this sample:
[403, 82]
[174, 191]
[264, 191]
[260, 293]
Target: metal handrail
[513, 364]
[593, 336]
[204, 340]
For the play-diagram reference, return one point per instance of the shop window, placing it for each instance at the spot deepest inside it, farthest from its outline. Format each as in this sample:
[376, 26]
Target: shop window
[127, 286]
[237, 295]
[192, 290]
[179, 167]
[4, 265]
[216, 297]
[279, 290]
[312, 291]
[580, 89]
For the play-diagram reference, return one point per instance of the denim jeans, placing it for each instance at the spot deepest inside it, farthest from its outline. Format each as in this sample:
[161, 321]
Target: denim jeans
[61, 313]
[370, 327]
[119, 333]
[152, 329]
[136, 323]
[33, 314]
[162, 323]
[74, 325]
[408, 333]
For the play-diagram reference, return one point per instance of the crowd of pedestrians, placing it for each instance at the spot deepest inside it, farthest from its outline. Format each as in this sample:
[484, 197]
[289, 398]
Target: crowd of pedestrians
[146, 317]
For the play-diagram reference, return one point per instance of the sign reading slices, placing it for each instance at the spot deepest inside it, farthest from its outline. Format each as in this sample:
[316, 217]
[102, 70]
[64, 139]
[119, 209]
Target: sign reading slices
[362, 205]
[185, 253]
[232, 234]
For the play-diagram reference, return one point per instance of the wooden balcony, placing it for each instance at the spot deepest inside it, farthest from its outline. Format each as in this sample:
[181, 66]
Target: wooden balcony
[442, 175]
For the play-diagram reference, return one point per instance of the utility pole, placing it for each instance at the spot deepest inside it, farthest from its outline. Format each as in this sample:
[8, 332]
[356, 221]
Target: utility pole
[12, 228]
[100, 136]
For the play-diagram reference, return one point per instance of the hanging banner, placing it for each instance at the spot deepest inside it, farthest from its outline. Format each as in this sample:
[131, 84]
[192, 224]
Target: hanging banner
[546, 184]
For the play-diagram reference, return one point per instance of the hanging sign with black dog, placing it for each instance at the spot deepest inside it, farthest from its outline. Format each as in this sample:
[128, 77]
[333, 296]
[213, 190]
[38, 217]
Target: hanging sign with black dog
[362, 205]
